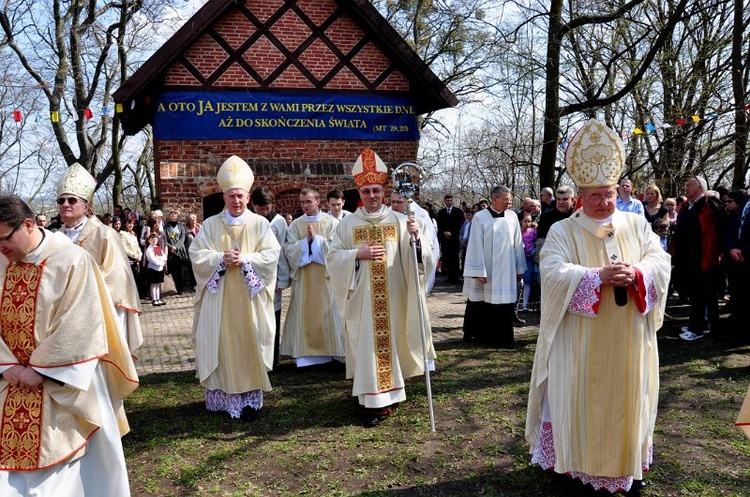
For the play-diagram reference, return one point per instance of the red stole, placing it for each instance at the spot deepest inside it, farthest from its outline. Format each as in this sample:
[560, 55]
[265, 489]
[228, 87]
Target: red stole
[21, 419]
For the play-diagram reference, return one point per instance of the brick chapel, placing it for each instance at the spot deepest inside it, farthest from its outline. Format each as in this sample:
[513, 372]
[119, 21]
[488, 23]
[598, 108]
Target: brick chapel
[297, 88]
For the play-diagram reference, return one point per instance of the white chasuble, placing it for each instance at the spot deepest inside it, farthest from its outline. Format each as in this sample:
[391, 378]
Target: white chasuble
[58, 318]
[232, 329]
[378, 304]
[596, 378]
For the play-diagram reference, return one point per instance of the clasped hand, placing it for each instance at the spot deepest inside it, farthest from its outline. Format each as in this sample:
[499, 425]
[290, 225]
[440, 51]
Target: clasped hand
[617, 274]
[232, 257]
[23, 377]
[372, 251]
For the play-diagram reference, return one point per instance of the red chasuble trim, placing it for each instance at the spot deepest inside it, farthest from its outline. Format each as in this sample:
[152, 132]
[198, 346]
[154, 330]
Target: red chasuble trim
[21, 426]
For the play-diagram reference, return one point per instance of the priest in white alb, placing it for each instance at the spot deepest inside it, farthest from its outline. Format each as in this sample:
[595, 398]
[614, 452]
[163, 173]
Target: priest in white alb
[234, 258]
[374, 280]
[595, 381]
[494, 264]
[312, 328]
[75, 190]
[65, 368]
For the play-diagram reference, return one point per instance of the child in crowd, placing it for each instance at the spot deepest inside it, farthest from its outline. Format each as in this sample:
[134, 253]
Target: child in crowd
[156, 260]
[661, 228]
[531, 276]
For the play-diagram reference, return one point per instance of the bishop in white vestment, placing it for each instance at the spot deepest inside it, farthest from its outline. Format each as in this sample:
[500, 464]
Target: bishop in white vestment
[374, 279]
[595, 381]
[234, 259]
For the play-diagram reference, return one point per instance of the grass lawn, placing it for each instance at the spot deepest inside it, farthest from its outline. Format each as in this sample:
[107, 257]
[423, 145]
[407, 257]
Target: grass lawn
[308, 440]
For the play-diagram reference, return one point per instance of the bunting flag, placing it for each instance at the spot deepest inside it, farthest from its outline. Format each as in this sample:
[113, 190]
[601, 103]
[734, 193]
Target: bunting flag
[105, 111]
[87, 113]
[17, 116]
[118, 108]
[55, 116]
[681, 121]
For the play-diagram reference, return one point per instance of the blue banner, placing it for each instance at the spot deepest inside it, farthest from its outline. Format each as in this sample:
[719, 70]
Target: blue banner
[283, 116]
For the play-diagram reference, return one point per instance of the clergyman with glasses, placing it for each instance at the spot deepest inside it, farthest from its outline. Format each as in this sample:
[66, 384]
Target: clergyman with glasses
[75, 190]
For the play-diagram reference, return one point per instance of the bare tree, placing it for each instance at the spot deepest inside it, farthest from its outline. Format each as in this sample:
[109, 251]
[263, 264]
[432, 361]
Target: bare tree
[587, 17]
[77, 54]
[740, 77]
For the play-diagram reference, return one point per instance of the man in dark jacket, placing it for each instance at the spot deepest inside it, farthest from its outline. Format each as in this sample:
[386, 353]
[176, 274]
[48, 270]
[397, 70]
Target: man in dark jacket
[699, 240]
[449, 221]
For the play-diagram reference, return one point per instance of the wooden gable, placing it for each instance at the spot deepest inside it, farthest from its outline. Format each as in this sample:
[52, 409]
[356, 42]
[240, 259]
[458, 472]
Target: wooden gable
[283, 45]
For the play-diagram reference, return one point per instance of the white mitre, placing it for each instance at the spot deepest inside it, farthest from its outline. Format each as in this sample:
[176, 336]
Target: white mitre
[595, 156]
[235, 173]
[77, 181]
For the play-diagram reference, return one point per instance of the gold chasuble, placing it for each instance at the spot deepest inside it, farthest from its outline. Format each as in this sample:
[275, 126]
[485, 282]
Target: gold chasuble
[55, 316]
[378, 304]
[234, 331]
[311, 327]
[597, 373]
[105, 246]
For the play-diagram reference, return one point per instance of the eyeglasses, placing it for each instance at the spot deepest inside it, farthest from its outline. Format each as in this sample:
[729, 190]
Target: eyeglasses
[7, 238]
[730, 201]
[69, 200]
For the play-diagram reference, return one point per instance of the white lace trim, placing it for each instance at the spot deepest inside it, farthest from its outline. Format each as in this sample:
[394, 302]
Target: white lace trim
[587, 294]
[652, 296]
[544, 456]
[252, 279]
[218, 400]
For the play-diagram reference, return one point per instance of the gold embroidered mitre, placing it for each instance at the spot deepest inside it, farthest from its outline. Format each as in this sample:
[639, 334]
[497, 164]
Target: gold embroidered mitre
[235, 173]
[369, 169]
[77, 181]
[595, 156]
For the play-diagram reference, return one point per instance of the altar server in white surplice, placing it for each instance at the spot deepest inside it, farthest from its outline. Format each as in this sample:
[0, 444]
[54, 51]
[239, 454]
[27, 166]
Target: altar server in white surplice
[312, 328]
[234, 259]
[595, 381]
[65, 367]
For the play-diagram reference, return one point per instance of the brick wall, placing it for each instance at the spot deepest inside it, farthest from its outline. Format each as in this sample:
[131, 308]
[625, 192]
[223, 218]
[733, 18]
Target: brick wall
[186, 170]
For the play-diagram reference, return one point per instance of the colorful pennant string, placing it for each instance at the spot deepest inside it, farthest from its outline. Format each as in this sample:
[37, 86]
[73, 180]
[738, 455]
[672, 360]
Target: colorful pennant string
[652, 128]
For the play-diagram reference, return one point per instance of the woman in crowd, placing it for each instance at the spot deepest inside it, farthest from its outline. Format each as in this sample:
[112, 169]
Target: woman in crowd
[193, 228]
[652, 204]
[116, 223]
[132, 248]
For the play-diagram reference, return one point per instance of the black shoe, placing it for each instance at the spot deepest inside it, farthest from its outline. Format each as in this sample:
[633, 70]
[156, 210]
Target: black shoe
[373, 421]
[249, 414]
[636, 489]
[517, 321]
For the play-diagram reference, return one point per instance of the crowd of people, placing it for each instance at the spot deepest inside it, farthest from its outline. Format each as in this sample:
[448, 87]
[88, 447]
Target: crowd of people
[602, 262]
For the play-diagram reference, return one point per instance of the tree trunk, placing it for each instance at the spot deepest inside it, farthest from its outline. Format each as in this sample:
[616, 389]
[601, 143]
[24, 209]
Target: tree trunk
[552, 98]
